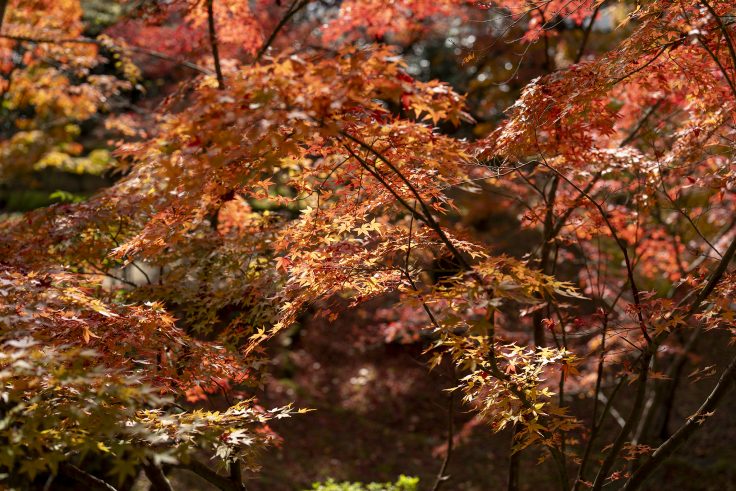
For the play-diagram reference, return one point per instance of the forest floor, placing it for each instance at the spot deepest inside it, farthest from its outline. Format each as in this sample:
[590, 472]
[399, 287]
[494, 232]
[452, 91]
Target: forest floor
[379, 413]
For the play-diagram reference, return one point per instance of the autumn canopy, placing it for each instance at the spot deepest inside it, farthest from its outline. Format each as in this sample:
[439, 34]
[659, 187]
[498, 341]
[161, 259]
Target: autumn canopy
[535, 200]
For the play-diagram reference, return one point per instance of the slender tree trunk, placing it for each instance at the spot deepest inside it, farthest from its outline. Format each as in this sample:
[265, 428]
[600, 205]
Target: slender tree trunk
[514, 461]
[3, 6]
[544, 258]
[213, 44]
[441, 475]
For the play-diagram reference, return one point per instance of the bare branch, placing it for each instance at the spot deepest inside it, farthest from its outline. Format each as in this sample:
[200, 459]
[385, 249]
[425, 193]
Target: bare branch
[295, 7]
[621, 245]
[631, 422]
[137, 49]
[91, 482]
[3, 6]
[686, 431]
[213, 44]
[219, 481]
[586, 33]
[156, 475]
[441, 476]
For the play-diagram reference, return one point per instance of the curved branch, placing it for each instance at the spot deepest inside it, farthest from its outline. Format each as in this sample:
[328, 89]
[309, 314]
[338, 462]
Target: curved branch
[91, 482]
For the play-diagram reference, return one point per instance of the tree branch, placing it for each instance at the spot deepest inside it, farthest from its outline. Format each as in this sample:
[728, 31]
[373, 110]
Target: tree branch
[3, 6]
[91, 482]
[137, 49]
[380, 178]
[213, 44]
[295, 7]
[682, 435]
[596, 398]
[631, 422]
[221, 482]
[621, 246]
[441, 477]
[723, 29]
[586, 33]
[427, 213]
[156, 475]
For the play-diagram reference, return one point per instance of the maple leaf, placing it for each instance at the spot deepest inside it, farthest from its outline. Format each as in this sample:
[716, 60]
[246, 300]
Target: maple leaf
[283, 263]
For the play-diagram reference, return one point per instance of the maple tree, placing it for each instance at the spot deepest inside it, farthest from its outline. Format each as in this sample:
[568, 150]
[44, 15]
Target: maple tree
[293, 161]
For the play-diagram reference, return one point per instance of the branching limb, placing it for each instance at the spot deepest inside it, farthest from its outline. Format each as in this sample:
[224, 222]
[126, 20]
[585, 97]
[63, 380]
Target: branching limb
[427, 213]
[621, 245]
[631, 422]
[682, 435]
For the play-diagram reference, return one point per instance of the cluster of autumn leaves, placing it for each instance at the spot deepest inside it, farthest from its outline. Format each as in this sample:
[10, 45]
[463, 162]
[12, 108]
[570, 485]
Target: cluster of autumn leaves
[305, 177]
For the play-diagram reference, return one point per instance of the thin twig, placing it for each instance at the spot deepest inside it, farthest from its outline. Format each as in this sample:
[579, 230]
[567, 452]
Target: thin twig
[631, 422]
[84, 478]
[586, 33]
[427, 214]
[295, 7]
[689, 220]
[596, 398]
[638, 69]
[632, 134]
[380, 178]
[441, 476]
[137, 49]
[621, 245]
